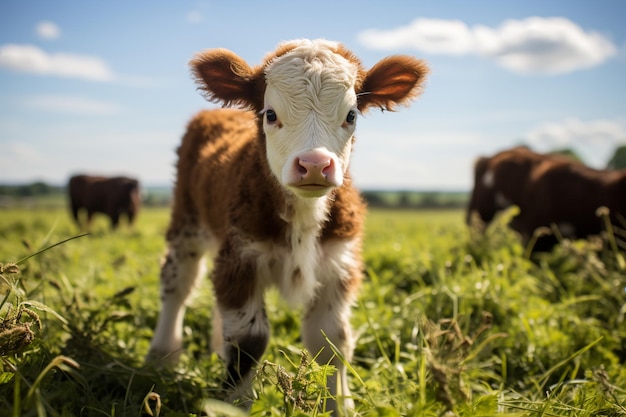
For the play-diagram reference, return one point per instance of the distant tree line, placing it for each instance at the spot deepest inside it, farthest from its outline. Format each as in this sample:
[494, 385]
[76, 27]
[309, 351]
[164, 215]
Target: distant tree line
[30, 190]
[415, 199]
[618, 160]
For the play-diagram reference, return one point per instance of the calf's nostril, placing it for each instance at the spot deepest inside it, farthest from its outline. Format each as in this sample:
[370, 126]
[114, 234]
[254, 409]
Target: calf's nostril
[301, 167]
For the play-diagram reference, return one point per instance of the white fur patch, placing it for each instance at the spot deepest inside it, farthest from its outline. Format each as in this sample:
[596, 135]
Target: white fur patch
[249, 320]
[294, 268]
[311, 90]
[488, 179]
[339, 260]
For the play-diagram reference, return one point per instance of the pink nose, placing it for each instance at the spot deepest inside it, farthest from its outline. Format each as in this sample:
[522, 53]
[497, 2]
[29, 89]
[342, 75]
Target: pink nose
[313, 168]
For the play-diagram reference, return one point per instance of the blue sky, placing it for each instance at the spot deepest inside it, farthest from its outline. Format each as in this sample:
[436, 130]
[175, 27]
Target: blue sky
[103, 87]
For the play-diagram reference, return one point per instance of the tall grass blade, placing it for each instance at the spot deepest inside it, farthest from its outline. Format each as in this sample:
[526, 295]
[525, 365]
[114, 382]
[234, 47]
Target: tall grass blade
[21, 261]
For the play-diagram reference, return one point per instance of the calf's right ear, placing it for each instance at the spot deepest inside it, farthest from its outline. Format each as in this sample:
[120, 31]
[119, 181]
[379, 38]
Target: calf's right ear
[223, 77]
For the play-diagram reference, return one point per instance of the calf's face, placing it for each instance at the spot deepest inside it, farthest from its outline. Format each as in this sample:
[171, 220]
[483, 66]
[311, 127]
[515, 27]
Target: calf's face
[309, 118]
[308, 94]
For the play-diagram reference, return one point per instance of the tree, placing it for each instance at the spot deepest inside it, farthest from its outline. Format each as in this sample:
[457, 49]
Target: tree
[570, 153]
[618, 160]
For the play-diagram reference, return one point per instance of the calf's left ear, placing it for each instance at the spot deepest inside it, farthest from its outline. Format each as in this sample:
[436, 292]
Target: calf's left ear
[394, 80]
[223, 77]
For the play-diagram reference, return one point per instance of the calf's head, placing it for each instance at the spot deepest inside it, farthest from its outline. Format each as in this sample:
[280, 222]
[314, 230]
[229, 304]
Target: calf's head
[309, 95]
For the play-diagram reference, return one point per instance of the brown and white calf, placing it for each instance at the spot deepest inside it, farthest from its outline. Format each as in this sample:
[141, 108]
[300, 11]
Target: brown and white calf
[265, 191]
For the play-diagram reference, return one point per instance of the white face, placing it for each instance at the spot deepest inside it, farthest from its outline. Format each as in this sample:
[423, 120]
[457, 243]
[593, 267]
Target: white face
[309, 118]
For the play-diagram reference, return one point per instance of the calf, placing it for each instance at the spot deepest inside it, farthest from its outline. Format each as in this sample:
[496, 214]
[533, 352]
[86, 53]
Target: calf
[114, 197]
[265, 192]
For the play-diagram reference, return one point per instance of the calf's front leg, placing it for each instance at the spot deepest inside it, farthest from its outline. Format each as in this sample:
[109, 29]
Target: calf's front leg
[329, 314]
[245, 327]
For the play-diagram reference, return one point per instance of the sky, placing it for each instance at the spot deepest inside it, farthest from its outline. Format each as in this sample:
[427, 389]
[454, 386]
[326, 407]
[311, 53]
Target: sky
[105, 88]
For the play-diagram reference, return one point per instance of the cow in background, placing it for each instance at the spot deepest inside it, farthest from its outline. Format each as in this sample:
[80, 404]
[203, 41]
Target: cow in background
[567, 195]
[112, 196]
[500, 182]
[551, 190]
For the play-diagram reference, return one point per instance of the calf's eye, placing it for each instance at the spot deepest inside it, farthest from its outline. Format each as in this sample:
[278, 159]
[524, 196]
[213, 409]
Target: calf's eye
[270, 115]
[351, 117]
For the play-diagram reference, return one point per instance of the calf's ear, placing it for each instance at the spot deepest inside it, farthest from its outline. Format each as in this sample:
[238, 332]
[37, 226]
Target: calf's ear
[394, 80]
[223, 77]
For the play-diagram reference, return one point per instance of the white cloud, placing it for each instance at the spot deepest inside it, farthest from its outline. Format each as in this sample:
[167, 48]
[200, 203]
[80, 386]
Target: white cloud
[594, 140]
[428, 35]
[71, 104]
[533, 45]
[31, 59]
[48, 30]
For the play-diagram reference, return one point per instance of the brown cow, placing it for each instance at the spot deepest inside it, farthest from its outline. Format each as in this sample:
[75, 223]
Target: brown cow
[500, 182]
[566, 195]
[551, 191]
[266, 193]
[114, 197]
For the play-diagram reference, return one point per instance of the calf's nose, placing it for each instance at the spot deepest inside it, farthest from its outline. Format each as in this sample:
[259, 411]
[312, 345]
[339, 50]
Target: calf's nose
[313, 171]
[314, 167]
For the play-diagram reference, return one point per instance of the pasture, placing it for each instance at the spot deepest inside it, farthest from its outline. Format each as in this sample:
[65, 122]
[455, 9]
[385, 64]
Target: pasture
[448, 322]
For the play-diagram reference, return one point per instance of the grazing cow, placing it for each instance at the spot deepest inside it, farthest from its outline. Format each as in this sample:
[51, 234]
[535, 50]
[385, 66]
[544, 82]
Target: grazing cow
[114, 197]
[566, 194]
[500, 182]
[551, 191]
[265, 191]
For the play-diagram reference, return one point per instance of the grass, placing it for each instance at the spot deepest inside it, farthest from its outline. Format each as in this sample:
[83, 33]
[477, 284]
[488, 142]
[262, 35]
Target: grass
[449, 322]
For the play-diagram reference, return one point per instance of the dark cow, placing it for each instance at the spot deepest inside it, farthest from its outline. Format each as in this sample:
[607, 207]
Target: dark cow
[500, 182]
[551, 190]
[112, 196]
[567, 195]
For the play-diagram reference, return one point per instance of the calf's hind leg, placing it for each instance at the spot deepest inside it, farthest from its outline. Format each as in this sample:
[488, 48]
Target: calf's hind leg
[184, 264]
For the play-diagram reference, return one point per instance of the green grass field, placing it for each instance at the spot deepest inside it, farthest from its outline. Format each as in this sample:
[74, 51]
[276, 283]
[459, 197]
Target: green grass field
[448, 323]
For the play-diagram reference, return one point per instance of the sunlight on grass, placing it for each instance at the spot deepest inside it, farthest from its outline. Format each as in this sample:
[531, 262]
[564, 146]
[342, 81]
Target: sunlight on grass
[449, 322]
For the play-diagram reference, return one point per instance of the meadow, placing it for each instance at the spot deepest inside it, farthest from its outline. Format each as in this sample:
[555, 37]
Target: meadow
[449, 322]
